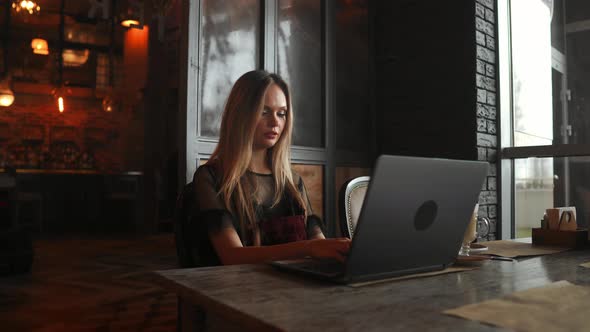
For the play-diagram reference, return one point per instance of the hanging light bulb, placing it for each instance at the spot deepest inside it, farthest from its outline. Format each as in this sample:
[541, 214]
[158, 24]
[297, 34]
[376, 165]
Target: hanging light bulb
[60, 104]
[6, 97]
[59, 94]
[128, 23]
[133, 17]
[40, 46]
[6, 94]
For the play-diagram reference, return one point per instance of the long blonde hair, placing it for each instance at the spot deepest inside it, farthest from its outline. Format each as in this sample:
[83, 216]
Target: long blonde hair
[233, 153]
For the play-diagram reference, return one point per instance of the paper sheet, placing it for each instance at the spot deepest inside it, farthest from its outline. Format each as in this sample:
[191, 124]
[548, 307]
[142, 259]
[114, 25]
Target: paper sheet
[556, 307]
[513, 249]
[452, 269]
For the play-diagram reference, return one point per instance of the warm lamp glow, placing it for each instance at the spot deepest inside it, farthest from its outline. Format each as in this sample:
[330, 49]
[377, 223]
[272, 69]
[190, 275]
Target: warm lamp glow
[60, 104]
[74, 58]
[6, 95]
[108, 103]
[26, 6]
[59, 93]
[6, 98]
[130, 23]
[39, 46]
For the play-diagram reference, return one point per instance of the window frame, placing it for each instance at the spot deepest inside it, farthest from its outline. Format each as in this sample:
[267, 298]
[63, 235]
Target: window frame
[508, 152]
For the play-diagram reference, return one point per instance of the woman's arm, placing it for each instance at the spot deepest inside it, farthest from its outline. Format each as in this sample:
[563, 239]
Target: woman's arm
[318, 236]
[313, 224]
[230, 250]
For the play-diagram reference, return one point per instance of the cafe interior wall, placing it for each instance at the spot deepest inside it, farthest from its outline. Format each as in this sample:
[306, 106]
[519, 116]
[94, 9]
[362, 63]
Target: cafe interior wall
[35, 135]
[115, 138]
[34, 126]
[139, 135]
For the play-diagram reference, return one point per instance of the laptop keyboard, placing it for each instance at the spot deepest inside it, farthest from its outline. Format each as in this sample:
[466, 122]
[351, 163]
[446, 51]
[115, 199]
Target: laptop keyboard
[326, 267]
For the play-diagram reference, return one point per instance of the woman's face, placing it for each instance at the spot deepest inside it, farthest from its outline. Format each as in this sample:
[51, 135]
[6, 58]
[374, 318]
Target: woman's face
[272, 119]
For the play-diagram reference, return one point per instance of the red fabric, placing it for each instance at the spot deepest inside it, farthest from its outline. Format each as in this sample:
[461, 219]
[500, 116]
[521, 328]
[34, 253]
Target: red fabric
[284, 229]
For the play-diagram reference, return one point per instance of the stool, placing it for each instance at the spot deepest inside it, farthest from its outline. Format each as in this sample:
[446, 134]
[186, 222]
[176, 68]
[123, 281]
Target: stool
[23, 198]
[29, 192]
[122, 197]
[7, 201]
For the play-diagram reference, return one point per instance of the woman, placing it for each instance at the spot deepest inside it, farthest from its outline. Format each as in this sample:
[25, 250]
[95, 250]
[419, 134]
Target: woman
[251, 207]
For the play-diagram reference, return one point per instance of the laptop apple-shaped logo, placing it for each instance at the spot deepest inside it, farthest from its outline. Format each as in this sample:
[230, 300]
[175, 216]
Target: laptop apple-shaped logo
[425, 215]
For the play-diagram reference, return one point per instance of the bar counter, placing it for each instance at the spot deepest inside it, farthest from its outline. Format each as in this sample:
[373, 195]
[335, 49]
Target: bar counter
[77, 200]
[70, 171]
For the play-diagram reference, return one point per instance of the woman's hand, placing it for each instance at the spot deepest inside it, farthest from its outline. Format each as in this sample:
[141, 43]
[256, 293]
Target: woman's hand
[329, 248]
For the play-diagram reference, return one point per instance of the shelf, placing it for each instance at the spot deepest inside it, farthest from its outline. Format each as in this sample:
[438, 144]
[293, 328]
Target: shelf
[46, 89]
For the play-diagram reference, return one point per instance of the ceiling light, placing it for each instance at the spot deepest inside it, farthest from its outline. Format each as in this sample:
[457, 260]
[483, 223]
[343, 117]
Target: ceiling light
[131, 23]
[26, 6]
[74, 58]
[59, 94]
[6, 97]
[39, 46]
[6, 94]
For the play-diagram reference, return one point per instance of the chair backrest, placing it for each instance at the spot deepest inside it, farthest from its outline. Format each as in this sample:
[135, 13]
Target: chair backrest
[352, 195]
[183, 234]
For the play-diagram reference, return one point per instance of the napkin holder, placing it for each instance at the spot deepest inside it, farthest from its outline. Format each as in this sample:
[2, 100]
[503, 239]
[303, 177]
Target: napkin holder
[571, 239]
[560, 229]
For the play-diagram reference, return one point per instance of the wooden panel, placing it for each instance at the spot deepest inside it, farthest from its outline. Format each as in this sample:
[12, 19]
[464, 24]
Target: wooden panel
[342, 175]
[313, 177]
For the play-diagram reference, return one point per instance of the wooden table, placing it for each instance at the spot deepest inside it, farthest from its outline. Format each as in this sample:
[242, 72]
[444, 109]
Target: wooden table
[259, 298]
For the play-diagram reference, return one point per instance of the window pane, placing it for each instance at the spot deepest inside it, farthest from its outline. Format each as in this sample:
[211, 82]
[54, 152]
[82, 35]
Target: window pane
[299, 62]
[551, 70]
[542, 183]
[531, 60]
[229, 48]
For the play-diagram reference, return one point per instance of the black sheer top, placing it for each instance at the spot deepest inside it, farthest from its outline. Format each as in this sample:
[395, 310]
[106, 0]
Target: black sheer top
[281, 223]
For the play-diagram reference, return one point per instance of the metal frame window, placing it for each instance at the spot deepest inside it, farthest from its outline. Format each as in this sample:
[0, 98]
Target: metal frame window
[511, 153]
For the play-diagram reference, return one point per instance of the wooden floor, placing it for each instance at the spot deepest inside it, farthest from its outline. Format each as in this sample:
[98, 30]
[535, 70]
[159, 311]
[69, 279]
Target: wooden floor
[91, 284]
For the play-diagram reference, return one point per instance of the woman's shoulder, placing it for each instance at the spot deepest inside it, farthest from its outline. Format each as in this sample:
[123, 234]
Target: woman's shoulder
[206, 172]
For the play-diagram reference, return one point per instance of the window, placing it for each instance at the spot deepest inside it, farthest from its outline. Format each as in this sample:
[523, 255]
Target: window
[299, 62]
[544, 47]
[230, 46]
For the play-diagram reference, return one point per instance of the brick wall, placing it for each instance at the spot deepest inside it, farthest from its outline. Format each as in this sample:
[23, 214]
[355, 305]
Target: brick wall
[487, 140]
[115, 140]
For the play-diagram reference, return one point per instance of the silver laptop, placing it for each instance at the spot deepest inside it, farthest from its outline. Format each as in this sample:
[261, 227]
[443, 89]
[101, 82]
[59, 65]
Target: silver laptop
[412, 220]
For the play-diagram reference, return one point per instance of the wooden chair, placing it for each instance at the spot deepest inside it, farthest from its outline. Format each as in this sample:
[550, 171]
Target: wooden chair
[351, 197]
